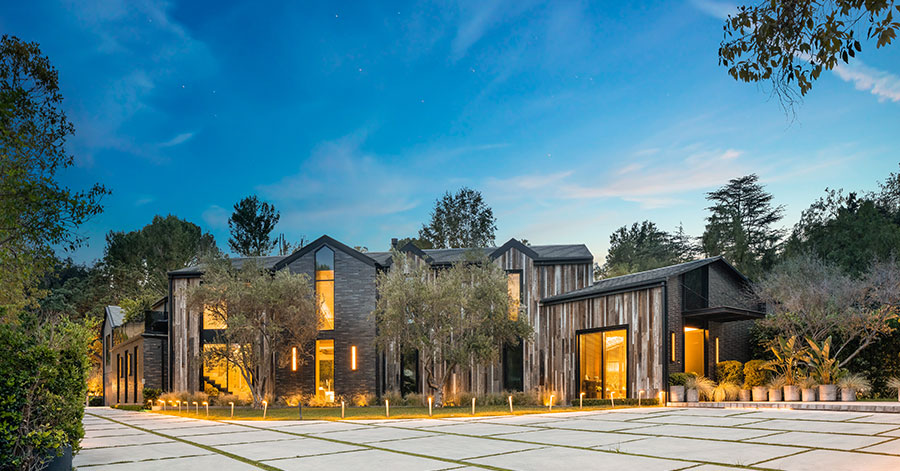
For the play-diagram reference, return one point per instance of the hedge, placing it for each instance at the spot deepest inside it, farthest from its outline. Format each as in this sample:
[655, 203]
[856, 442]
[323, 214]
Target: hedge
[619, 402]
[730, 372]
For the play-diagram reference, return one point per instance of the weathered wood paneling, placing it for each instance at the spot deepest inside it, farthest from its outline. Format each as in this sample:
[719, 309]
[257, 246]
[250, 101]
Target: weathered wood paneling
[641, 310]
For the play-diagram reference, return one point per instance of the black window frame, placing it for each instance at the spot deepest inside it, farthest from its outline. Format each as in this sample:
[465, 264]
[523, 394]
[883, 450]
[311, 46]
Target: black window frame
[628, 353]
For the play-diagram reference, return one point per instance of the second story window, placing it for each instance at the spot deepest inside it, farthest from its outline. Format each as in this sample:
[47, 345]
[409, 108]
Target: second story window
[325, 286]
[514, 288]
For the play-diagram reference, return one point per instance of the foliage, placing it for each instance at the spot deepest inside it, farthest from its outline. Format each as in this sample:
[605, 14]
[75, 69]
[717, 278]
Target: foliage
[813, 299]
[846, 231]
[151, 394]
[251, 225]
[643, 246]
[787, 355]
[894, 383]
[777, 382]
[726, 391]
[730, 371]
[458, 316]
[755, 374]
[679, 379]
[363, 399]
[855, 381]
[739, 225]
[880, 361]
[44, 369]
[790, 43]
[418, 242]
[823, 367]
[95, 401]
[36, 212]
[807, 382]
[460, 220]
[625, 401]
[702, 384]
[227, 399]
[265, 313]
[186, 397]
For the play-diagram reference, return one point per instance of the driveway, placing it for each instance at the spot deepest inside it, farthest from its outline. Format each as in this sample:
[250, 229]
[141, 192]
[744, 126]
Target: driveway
[646, 439]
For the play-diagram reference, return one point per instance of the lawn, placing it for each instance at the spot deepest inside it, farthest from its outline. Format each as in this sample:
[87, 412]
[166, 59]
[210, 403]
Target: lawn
[372, 412]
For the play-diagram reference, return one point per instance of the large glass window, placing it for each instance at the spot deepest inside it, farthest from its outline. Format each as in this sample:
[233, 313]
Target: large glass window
[514, 288]
[220, 374]
[603, 361]
[325, 369]
[325, 286]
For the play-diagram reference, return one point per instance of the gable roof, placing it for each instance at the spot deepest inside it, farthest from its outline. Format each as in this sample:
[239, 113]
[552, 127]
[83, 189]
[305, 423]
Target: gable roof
[114, 315]
[635, 280]
[540, 254]
[316, 245]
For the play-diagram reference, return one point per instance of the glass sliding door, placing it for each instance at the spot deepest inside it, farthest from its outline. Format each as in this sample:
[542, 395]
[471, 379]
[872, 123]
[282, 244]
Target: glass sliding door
[695, 351]
[603, 363]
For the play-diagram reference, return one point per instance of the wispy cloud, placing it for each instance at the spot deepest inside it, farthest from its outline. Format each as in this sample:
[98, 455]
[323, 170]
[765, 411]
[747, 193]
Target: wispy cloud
[144, 199]
[882, 84]
[216, 217]
[179, 139]
[715, 8]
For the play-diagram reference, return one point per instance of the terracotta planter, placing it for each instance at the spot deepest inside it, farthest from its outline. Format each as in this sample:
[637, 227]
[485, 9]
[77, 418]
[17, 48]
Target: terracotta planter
[827, 392]
[808, 394]
[774, 394]
[759, 394]
[744, 395]
[676, 393]
[848, 394]
[791, 393]
[692, 395]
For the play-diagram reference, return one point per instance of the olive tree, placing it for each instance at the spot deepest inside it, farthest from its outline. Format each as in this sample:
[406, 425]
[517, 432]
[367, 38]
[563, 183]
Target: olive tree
[264, 313]
[454, 316]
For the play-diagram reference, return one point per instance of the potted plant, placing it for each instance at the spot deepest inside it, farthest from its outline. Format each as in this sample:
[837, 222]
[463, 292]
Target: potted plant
[894, 383]
[808, 389]
[787, 365]
[676, 386]
[851, 384]
[823, 368]
[744, 395]
[775, 387]
[726, 392]
[755, 379]
[698, 387]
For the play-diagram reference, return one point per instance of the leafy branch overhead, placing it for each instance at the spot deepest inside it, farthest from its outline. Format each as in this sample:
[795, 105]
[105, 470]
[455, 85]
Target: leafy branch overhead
[789, 43]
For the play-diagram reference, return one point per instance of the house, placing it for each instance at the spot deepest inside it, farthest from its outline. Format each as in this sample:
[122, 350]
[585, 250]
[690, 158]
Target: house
[134, 354]
[623, 336]
[618, 337]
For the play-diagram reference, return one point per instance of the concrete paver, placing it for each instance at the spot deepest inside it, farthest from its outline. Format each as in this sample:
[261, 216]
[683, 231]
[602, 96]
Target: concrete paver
[650, 438]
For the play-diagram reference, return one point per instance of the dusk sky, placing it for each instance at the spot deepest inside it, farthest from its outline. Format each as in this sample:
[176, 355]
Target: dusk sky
[572, 118]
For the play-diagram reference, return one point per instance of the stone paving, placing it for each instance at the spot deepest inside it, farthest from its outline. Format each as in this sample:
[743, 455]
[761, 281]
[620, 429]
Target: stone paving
[657, 438]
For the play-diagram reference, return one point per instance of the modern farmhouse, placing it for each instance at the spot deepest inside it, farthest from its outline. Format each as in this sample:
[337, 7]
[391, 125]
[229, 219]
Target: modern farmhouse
[618, 337]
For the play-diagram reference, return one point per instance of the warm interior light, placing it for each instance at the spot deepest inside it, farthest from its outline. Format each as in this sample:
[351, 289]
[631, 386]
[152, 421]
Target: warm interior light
[717, 349]
[353, 357]
[293, 358]
[673, 347]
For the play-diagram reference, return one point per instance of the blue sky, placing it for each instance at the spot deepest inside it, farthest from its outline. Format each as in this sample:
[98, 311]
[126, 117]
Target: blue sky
[572, 118]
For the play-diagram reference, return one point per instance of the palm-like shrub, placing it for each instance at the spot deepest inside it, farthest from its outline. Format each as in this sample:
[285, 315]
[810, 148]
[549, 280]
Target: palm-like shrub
[787, 359]
[822, 366]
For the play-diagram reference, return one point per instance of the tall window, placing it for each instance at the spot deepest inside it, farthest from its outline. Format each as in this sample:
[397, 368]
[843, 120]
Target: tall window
[325, 369]
[514, 288]
[325, 286]
[513, 356]
[603, 358]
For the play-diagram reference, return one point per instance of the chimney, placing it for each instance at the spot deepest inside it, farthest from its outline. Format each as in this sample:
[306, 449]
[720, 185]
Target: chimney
[393, 242]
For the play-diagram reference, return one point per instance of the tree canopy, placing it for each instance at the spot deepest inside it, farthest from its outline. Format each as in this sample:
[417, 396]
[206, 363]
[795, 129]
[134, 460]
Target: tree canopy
[460, 220]
[36, 212]
[251, 226]
[644, 246]
[452, 317]
[789, 43]
[740, 225]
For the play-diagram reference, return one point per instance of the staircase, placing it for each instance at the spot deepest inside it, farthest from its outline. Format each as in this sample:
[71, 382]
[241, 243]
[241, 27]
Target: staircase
[216, 381]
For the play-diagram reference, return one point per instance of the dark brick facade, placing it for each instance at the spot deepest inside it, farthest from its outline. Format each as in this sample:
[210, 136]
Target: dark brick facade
[354, 301]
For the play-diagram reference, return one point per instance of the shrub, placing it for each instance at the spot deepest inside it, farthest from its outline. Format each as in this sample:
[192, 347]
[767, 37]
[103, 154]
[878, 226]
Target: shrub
[43, 381]
[679, 379]
[224, 399]
[777, 382]
[755, 374]
[647, 401]
[726, 392]
[702, 384]
[95, 401]
[730, 372]
[393, 397]
[211, 390]
[292, 400]
[855, 381]
[363, 399]
[807, 382]
[151, 394]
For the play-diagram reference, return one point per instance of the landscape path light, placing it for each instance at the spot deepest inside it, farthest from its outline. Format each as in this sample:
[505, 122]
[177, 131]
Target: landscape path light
[473, 406]
[640, 393]
[150, 404]
[551, 402]
[265, 408]
[232, 409]
[430, 401]
[179, 405]
[196, 407]
[660, 398]
[612, 400]
[387, 408]
[206, 404]
[342, 409]
[510, 404]
[581, 401]
[163, 403]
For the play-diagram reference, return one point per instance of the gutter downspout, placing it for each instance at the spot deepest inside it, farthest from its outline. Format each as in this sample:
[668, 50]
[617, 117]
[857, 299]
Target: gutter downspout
[665, 334]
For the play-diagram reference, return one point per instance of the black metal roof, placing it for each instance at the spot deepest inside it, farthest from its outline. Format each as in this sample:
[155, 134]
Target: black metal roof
[236, 262]
[625, 282]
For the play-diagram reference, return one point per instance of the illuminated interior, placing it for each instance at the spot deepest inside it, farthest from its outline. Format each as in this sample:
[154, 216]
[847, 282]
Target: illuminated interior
[223, 374]
[325, 369]
[603, 359]
[514, 288]
[325, 287]
[212, 321]
[694, 347]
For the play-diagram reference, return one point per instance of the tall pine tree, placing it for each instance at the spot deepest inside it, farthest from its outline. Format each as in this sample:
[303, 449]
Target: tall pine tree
[462, 219]
[251, 225]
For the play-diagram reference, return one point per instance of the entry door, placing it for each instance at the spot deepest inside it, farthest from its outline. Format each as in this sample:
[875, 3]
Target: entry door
[695, 351]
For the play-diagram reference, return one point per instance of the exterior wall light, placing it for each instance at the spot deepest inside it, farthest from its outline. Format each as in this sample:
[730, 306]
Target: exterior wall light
[293, 358]
[353, 357]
